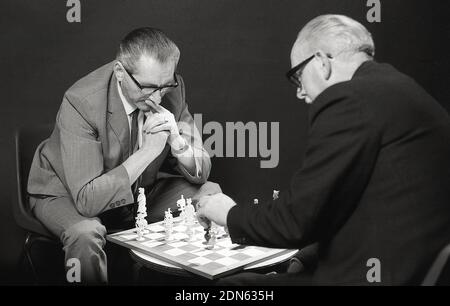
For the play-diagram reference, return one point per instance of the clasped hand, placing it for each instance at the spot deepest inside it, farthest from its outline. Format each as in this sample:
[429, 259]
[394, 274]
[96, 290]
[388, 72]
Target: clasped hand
[163, 120]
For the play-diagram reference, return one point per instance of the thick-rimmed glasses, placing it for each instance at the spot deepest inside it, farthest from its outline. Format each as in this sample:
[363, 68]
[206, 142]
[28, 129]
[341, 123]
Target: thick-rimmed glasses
[294, 75]
[152, 88]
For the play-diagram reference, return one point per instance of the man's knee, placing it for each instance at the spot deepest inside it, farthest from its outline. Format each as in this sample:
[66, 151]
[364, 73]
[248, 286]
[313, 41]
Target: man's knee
[85, 234]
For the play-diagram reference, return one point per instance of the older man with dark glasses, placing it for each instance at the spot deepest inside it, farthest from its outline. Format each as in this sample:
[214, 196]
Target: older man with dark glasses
[372, 195]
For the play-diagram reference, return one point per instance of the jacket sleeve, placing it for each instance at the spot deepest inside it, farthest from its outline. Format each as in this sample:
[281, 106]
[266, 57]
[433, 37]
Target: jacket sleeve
[92, 189]
[340, 155]
[190, 133]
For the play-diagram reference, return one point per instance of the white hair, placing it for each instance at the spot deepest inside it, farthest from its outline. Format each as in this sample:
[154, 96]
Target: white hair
[336, 34]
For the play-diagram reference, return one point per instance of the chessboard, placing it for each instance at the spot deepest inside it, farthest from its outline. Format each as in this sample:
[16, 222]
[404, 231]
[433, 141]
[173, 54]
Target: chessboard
[193, 253]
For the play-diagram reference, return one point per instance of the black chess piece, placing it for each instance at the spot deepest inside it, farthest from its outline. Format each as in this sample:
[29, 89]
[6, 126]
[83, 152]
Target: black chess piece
[207, 234]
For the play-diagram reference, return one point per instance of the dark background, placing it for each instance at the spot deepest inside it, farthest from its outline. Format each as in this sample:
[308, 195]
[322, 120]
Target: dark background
[233, 58]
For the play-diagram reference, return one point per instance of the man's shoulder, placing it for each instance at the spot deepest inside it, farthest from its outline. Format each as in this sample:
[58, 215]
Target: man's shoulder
[339, 94]
[371, 81]
[94, 84]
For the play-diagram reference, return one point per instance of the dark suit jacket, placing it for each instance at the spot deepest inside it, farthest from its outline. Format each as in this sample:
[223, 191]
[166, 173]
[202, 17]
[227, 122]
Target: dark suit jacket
[83, 157]
[375, 183]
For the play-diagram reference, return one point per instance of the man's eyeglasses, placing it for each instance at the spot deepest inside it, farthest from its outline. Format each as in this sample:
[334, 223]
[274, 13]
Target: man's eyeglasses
[152, 89]
[294, 75]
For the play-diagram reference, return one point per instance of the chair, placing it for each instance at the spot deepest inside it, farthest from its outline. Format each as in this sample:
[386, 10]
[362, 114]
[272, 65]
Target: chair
[439, 273]
[26, 140]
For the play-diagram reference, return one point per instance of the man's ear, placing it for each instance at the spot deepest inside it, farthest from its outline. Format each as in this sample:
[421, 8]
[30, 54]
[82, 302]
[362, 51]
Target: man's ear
[118, 71]
[325, 64]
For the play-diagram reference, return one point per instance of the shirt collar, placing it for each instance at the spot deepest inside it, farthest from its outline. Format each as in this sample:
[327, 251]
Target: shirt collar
[129, 108]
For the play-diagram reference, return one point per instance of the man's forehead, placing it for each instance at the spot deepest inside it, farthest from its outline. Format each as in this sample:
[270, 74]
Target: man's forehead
[298, 53]
[153, 71]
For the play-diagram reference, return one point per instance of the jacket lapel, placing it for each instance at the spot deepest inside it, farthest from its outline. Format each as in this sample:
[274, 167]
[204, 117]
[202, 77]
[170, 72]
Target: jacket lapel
[117, 118]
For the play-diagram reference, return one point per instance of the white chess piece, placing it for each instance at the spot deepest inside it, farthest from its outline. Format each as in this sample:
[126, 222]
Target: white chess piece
[213, 230]
[141, 222]
[181, 204]
[255, 201]
[168, 224]
[276, 194]
[189, 212]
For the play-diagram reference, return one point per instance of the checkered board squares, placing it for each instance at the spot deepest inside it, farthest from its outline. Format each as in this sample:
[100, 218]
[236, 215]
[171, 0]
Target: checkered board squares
[194, 255]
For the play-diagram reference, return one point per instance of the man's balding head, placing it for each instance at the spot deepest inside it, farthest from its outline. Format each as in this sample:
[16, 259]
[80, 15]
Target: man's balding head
[335, 34]
[149, 42]
[339, 45]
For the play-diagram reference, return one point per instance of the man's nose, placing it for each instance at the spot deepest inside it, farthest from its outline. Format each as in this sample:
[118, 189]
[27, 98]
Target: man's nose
[301, 93]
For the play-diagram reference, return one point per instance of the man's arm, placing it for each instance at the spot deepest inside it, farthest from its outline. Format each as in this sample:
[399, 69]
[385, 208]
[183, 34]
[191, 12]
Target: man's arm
[192, 160]
[92, 189]
[195, 153]
[341, 153]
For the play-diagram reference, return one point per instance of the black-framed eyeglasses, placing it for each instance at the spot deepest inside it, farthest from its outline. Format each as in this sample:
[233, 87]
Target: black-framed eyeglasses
[162, 89]
[295, 73]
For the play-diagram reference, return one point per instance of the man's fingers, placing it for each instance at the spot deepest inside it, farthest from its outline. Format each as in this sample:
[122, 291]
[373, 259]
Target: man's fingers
[153, 105]
[203, 221]
[153, 121]
[148, 134]
[157, 107]
[159, 128]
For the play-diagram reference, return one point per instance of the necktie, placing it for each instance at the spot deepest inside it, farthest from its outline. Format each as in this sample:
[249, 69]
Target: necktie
[133, 140]
[134, 130]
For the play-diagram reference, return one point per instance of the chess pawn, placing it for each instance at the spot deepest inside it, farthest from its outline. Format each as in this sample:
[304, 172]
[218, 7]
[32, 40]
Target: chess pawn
[212, 235]
[275, 194]
[168, 224]
[211, 242]
[169, 232]
[181, 204]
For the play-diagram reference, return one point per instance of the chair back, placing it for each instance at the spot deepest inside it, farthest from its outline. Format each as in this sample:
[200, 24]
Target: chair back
[26, 140]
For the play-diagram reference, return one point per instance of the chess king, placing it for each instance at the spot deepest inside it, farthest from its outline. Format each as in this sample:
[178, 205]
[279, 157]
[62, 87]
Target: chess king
[116, 130]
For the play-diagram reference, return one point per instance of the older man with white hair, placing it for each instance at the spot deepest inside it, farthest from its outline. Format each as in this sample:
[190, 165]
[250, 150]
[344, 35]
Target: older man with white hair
[373, 192]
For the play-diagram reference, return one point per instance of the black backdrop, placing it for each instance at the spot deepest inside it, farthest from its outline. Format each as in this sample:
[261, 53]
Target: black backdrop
[233, 57]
